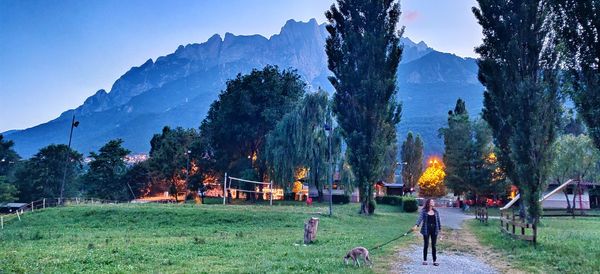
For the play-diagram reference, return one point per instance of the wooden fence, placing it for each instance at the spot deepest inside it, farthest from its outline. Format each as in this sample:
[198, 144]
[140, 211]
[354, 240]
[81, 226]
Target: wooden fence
[509, 223]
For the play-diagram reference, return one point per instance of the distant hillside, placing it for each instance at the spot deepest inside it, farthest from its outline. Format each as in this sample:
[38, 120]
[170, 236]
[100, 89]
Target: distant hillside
[177, 89]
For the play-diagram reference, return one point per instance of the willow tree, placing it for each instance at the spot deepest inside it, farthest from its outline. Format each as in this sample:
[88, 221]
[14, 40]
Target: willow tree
[300, 140]
[363, 50]
[521, 102]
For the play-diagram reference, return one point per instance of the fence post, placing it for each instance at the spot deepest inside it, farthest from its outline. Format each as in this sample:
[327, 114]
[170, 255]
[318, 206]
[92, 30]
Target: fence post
[44, 203]
[513, 224]
[31, 206]
[2, 221]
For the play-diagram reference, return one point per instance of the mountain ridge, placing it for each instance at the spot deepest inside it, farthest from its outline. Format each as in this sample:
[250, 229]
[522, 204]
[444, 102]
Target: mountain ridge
[177, 89]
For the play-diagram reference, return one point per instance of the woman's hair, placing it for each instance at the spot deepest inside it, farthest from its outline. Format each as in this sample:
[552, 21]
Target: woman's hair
[427, 205]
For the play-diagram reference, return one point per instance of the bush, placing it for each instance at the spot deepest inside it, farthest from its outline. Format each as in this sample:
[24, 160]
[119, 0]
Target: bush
[371, 207]
[389, 200]
[341, 199]
[409, 204]
[290, 196]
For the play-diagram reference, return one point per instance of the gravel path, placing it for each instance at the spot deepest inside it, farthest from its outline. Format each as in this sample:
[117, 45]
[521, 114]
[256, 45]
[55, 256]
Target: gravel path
[452, 255]
[449, 263]
[453, 217]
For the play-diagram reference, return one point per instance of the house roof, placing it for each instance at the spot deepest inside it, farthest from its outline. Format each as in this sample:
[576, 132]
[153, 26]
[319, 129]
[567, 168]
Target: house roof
[13, 205]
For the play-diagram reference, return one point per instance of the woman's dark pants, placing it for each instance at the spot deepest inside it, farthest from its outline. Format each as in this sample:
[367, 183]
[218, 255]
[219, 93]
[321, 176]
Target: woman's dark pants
[426, 245]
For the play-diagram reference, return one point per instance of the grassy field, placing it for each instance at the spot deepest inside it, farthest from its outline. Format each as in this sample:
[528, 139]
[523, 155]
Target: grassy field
[565, 245]
[195, 239]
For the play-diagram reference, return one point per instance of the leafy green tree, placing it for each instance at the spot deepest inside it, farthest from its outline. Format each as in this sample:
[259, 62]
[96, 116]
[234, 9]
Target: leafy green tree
[8, 156]
[575, 157]
[238, 122]
[521, 102]
[577, 24]
[202, 165]
[8, 192]
[412, 161]
[42, 175]
[458, 149]
[104, 177]
[486, 176]
[363, 50]
[300, 140]
[138, 179]
[168, 157]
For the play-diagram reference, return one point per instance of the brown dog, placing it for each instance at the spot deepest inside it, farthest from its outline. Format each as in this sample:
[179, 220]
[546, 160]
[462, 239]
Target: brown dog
[356, 253]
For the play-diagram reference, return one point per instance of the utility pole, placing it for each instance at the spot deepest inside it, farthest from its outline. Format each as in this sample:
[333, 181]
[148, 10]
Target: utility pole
[74, 124]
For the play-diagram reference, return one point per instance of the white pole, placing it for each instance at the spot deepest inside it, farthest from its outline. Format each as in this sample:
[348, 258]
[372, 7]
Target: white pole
[271, 188]
[2, 221]
[225, 188]
[44, 203]
[31, 206]
[18, 216]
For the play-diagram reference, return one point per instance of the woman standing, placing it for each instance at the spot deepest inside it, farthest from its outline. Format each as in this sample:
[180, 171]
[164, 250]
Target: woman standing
[430, 218]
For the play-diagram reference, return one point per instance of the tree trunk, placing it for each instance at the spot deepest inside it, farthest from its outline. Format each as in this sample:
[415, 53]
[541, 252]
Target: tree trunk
[567, 199]
[318, 185]
[575, 192]
[310, 230]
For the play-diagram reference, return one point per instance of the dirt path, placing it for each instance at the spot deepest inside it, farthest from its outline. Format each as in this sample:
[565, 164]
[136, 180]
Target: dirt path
[458, 251]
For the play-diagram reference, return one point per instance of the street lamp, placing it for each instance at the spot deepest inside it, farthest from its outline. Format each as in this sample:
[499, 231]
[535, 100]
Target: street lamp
[329, 129]
[187, 167]
[74, 124]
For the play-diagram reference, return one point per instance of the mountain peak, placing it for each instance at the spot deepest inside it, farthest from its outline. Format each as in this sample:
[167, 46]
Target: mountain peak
[299, 26]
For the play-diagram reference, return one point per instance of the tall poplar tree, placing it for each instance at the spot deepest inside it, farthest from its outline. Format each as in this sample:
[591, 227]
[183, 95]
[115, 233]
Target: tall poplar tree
[521, 102]
[363, 50]
[411, 156]
[457, 149]
[577, 23]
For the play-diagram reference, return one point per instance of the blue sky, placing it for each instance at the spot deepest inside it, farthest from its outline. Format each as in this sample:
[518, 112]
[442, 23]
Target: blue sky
[56, 53]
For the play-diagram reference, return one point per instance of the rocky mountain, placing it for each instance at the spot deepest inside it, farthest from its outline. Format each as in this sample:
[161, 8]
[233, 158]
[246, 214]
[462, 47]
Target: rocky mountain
[177, 89]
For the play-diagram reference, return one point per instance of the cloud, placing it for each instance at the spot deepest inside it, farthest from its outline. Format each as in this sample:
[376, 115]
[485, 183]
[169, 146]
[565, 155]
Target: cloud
[410, 16]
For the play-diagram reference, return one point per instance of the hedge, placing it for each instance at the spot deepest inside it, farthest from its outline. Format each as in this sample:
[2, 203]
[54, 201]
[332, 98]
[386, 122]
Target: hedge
[409, 204]
[341, 199]
[389, 200]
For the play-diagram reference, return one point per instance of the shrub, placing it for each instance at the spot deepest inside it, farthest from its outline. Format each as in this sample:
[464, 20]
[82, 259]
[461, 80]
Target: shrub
[341, 199]
[409, 204]
[290, 196]
[389, 200]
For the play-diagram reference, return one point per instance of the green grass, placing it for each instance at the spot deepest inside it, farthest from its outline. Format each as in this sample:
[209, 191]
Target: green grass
[155, 238]
[565, 245]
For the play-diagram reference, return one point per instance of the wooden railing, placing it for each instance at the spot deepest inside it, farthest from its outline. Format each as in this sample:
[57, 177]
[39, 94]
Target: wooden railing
[481, 214]
[509, 223]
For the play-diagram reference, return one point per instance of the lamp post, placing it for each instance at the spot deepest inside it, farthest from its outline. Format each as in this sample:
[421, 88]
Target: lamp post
[329, 130]
[187, 167]
[74, 124]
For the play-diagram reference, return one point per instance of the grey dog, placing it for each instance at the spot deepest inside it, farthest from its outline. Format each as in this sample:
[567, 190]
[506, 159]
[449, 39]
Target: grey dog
[356, 253]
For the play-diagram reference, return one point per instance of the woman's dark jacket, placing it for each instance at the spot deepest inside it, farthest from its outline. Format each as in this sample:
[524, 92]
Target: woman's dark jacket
[423, 219]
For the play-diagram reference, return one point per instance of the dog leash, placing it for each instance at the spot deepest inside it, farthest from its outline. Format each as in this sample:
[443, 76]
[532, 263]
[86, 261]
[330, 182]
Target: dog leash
[379, 246]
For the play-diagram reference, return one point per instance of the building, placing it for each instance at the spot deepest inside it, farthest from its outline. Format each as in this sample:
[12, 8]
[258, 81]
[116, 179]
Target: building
[391, 189]
[559, 200]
